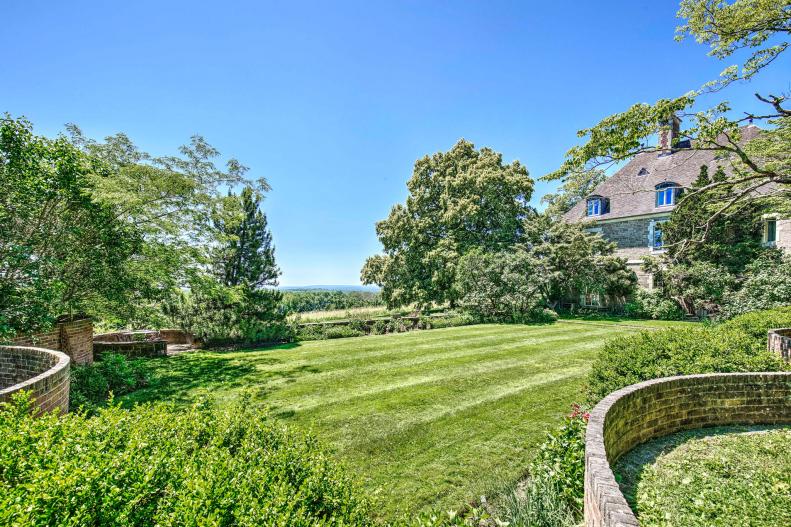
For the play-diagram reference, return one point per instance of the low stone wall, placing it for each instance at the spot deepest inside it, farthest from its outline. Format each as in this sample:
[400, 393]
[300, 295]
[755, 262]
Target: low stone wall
[157, 348]
[780, 343]
[659, 407]
[177, 336]
[72, 337]
[43, 372]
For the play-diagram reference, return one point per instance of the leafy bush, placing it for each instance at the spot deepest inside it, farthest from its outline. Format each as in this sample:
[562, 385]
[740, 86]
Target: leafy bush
[553, 496]
[379, 327]
[339, 332]
[652, 304]
[543, 316]
[91, 384]
[767, 284]
[736, 346]
[154, 465]
[507, 285]
[459, 319]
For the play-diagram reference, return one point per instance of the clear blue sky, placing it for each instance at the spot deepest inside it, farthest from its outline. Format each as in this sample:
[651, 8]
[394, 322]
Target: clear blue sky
[333, 101]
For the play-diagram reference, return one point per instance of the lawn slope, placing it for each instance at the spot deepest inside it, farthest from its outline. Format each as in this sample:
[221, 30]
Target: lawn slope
[426, 419]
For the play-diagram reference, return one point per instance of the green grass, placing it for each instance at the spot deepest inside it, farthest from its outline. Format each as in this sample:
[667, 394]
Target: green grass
[711, 477]
[426, 419]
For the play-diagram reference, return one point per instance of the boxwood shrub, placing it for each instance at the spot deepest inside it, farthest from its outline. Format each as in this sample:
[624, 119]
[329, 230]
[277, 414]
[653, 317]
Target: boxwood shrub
[738, 345]
[155, 465]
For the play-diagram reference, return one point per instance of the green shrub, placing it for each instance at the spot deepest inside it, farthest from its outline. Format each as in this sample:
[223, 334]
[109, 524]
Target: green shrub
[339, 332]
[553, 494]
[736, 346]
[543, 316]
[155, 465]
[766, 284]
[652, 304]
[453, 320]
[91, 384]
[379, 327]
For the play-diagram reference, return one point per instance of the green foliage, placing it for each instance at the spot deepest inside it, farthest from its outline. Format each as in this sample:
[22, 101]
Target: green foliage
[755, 173]
[576, 187]
[576, 260]
[317, 300]
[736, 346]
[154, 465]
[506, 285]
[458, 200]
[244, 254]
[62, 251]
[339, 332]
[652, 304]
[220, 314]
[553, 494]
[92, 384]
[766, 284]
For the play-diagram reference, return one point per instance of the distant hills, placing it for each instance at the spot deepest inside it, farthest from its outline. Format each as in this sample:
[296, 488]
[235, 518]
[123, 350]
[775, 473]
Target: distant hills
[370, 288]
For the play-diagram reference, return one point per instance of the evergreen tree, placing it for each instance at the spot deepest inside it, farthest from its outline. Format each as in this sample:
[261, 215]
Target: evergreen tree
[245, 256]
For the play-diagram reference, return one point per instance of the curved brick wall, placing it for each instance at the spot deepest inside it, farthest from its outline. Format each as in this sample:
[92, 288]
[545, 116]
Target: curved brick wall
[650, 409]
[43, 372]
[780, 343]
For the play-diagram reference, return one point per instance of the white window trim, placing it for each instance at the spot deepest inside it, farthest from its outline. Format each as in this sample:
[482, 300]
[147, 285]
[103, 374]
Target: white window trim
[765, 236]
[651, 227]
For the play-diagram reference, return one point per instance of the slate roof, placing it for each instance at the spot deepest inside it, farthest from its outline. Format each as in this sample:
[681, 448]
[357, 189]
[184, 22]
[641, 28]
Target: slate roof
[632, 194]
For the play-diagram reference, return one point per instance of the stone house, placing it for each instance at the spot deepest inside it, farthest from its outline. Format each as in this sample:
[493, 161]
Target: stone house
[630, 206]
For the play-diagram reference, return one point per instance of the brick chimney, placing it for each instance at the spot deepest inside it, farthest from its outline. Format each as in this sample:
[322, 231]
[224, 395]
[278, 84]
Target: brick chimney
[668, 134]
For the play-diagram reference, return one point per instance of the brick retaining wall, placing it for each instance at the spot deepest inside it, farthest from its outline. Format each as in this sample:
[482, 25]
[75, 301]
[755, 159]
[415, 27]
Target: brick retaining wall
[143, 348]
[72, 337]
[780, 343]
[43, 372]
[659, 407]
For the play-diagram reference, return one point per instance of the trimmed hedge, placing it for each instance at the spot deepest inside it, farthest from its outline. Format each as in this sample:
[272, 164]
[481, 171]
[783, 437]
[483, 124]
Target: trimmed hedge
[155, 465]
[738, 345]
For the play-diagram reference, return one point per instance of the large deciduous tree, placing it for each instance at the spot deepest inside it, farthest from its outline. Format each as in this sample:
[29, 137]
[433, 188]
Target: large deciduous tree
[755, 171]
[61, 251]
[459, 200]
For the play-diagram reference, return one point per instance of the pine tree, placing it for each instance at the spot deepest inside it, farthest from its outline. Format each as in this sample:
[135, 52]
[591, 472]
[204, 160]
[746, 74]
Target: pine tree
[246, 255]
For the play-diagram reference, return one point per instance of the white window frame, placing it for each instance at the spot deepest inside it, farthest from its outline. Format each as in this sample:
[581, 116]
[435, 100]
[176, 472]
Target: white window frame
[766, 241]
[597, 208]
[651, 236]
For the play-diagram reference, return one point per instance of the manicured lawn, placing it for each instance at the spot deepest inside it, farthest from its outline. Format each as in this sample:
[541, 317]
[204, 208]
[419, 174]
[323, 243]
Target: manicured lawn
[715, 477]
[426, 419]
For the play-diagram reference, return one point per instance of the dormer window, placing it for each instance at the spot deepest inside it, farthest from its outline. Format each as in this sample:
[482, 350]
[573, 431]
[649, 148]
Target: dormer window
[598, 205]
[643, 172]
[667, 194]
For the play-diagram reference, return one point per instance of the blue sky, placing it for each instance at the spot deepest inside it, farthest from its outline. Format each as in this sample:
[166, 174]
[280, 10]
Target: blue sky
[332, 102]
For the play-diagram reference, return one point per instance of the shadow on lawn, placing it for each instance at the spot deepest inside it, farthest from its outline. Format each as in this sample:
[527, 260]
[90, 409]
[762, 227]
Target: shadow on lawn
[187, 377]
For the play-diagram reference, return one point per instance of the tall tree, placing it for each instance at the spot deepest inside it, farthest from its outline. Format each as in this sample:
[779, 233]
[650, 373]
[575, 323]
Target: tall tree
[574, 188]
[61, 251]
[758, 170]
[245, 255]
[458, 200]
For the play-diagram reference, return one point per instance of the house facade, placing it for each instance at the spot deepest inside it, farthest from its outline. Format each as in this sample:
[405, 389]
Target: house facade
[630, 207]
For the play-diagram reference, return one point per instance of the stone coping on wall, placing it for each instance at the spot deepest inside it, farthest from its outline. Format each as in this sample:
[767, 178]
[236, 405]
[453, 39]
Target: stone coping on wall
[49, 384]
[650, 409]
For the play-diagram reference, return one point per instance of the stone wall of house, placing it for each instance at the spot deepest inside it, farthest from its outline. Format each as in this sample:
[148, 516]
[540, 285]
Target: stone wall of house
[658, 407]
[784, 235]
[779, 343]
[72, 337]
[43, 372]
[628, 234]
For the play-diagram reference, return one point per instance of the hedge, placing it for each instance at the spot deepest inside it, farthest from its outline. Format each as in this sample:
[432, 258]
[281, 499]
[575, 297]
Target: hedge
[156, 465]
[738, 345]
